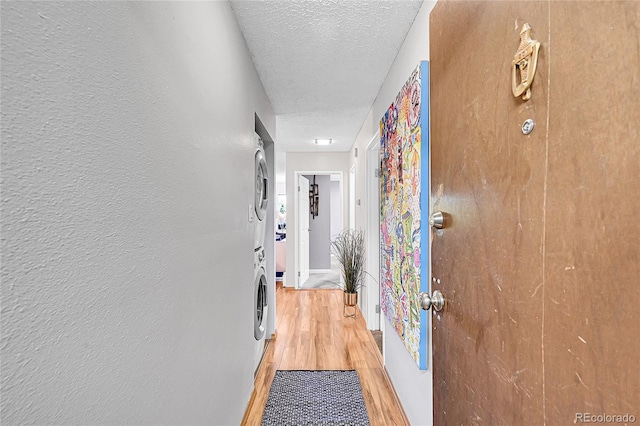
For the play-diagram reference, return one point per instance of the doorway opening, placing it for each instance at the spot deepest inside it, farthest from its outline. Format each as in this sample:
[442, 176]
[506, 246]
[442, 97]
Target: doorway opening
[315, 267]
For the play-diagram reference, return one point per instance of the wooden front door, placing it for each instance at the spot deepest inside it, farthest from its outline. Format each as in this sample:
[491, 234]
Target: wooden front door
[539, 259]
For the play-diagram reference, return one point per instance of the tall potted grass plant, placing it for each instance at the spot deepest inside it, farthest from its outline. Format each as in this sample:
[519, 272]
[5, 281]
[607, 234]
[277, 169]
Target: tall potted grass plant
[349, 249]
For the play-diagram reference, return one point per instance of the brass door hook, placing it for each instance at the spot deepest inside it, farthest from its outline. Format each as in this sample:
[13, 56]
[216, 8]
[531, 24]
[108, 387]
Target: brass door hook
[524, 64]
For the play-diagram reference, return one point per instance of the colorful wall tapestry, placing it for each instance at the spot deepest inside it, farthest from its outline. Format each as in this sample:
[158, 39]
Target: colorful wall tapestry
[404, 204]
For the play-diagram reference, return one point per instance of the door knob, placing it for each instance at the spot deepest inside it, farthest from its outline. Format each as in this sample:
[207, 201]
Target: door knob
[436, 220]
[436, 301]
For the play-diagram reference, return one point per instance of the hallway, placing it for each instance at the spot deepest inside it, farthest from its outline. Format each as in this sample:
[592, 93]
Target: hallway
[324, 280]
[128, 216]
[312, 334]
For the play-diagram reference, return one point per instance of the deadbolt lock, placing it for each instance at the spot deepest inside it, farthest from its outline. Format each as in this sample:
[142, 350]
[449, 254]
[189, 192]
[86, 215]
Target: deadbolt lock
[436, 220]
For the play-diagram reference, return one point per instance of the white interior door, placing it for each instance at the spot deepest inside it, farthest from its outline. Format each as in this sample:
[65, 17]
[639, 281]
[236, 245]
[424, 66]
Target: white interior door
[303, 230]
[373, 234]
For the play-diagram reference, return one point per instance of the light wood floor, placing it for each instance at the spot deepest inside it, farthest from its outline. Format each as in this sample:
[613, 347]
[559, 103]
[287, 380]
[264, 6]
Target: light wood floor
[312, 334]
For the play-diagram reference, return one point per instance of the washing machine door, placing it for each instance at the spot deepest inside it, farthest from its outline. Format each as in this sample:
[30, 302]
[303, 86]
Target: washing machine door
[262, 183]
[260, 304]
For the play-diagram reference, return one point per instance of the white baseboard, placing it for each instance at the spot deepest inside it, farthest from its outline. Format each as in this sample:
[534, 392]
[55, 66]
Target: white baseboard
[319, 271]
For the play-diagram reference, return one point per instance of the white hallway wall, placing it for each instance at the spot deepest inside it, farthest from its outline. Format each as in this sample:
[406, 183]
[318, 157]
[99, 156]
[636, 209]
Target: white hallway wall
[309, 162]
[126, 248]
[414, 387]
[320, 226]
[336, 209]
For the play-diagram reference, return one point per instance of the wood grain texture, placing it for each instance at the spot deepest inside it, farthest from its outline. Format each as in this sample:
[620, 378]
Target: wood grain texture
[592, 262]
[540, 260]
[313, 334]
[489, 178]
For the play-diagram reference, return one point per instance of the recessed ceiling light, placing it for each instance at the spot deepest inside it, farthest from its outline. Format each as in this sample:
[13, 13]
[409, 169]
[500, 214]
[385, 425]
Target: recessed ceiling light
[324, 141]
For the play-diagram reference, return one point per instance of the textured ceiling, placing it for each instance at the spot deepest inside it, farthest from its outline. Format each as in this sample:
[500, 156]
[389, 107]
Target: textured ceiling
[323, 62]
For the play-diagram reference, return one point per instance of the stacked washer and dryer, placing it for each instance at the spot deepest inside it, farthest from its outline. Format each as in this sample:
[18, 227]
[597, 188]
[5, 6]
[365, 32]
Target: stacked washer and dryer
[259, 262]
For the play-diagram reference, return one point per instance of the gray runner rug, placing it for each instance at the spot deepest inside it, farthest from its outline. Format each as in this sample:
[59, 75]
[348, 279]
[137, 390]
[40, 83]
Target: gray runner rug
[315, 397]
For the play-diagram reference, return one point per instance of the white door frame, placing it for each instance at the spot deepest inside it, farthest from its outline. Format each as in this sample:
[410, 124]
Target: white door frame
[302, 260]
[373, 233]
[362, 300]
[296, 211]
[352, 197]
